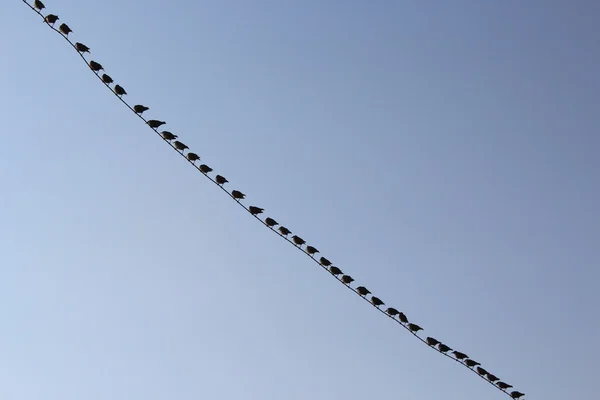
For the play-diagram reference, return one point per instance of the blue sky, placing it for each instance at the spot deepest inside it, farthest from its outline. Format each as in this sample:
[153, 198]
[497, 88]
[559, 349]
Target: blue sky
[443, 154]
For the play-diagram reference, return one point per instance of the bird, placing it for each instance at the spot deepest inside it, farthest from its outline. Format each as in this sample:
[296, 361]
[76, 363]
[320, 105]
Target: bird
[39, 5]
[311, 250]
[481, 371]
[205, 169]
[255, 210]
[492, 377]
[51, 19]
[403, 318]
[168, 135]
[96, 66]
[503, 385]
[270, 221]
[192, 156]
[153, 123]
[325, 262]
[107, 79]
[139, 109]
[298, 240]
[221, 180]
[392, 311]
[180, 146]
[82, 48]
[414, 327]
[376, 301]
[471, 363]
[347, 279]
[432, 341]
[459, 355]
[363, 291]
[119, 90]
[236, 194]
[335, 271]
[64, 29]
[443, 348]
[516, 395]
[284, 231]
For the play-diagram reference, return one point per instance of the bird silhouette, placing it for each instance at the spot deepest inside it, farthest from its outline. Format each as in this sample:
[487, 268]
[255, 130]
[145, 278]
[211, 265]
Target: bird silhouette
[335, 271]
[403, 318]
[192, 156]
[167, 135]
[270, 221]
[443, 348]
[82, 48]
[414, 327]
[492, 377]
[459, 355]
[205, 169]
[432, 342]
[481, 371]
[153, 123]
[119, 90]
[107, 79]
[363, 291]
[325, 262]
[39, 5]
[96, 66]
[347, 279]
[51, 19]
[255, 210]
[471, 363]
[298, 240]
[221, 180]
[516, 395]
[392, 311]
[376, 301]
[311, 250]
[236, 194]
[64, 29]
[180, 146]
[503, 385]
[139, 109]
[284, 231]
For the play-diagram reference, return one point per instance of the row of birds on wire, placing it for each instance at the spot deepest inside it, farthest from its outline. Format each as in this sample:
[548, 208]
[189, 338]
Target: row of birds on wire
[311, 251]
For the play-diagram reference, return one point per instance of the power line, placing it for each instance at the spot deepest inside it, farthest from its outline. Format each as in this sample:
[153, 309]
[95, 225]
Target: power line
[325, 264]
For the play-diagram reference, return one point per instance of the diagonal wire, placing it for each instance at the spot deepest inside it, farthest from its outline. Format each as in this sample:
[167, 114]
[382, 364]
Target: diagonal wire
[312, 257]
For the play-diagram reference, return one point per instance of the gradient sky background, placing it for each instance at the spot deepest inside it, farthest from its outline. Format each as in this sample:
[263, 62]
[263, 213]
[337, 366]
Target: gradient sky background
[445, 154]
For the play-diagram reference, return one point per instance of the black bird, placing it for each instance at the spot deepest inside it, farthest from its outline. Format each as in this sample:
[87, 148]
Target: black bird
[180, 146]
[503, 385]
[139, 109]
[205, 169]
[481, 371]
[459, 355]
[492, 377]
[298, 240]
[221, 180]
[39, 5]
[284, 231]
[238, 195]
[270, 221]
[347, 279]
[403, 318]
[432, 341]
[119, 90]
[64, 29]
[51, 19]
[152, 123]
[96, 66]
[471, 363]
[311, 250]
[82, 48]
[363, 291]
[325, 262]
[166, 134]
[377, 301]
[414, 327]
[392, 311]
[335, 271]
[192, 156]
[255, 210]
[516, 395]
[107, 79]
[443, 348]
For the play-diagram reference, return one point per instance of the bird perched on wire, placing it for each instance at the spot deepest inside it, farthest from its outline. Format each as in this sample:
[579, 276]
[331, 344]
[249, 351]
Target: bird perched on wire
[298, 240]
[459, 355]
[403, 318]
[96, 66]
[153, 123]
[284, 231]
[443, 348]
[221, 180]
[516, 395]
[82, 48]
[139, 109]
[492, 377]
[270, 221]
[179, 145]
[363, 291]
[39, 5]
[107, 79]
[236, 194]
[119, 90]
[432, 341]
[205, 169]
[471, 363]
[51, 19]
[347, 279]
[325, 262]
[503, 385]
[391, 311]
[64, 29]
[414, 327]
[192, 156]
[376, 301]
[255, 210]
[168, 135]
[481, 371]
[311, 250]
[335, 271]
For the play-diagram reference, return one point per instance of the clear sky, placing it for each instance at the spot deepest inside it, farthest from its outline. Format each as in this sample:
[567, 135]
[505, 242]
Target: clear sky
[445, 154]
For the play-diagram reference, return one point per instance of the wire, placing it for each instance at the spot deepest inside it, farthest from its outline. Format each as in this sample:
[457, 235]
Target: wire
[299, 247]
